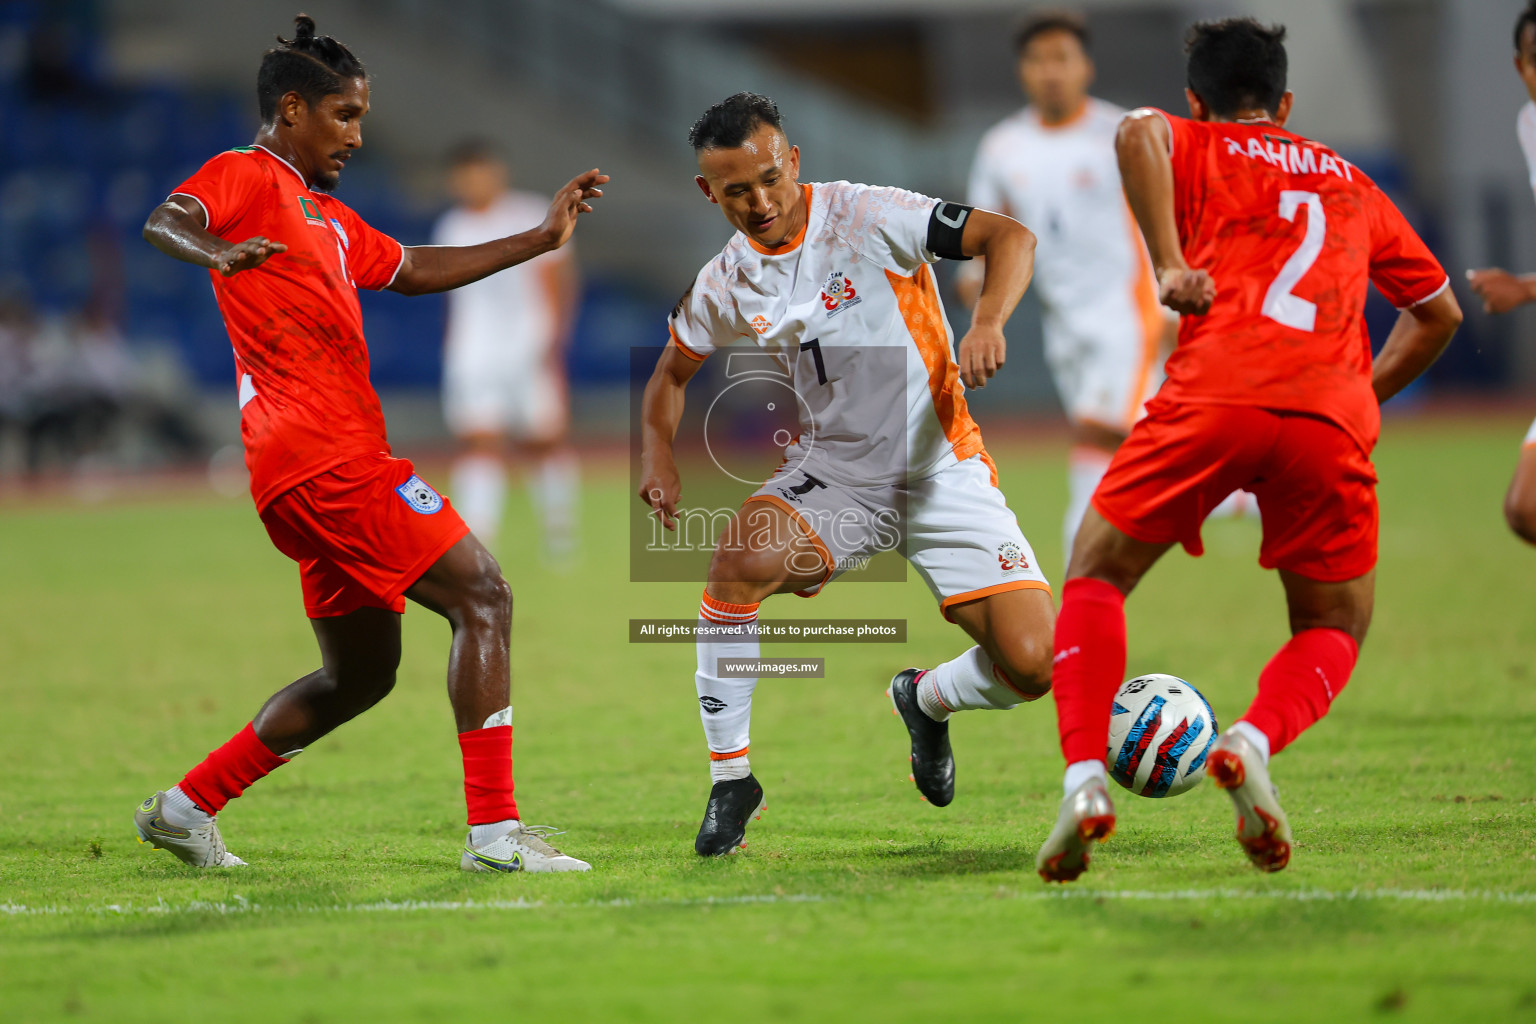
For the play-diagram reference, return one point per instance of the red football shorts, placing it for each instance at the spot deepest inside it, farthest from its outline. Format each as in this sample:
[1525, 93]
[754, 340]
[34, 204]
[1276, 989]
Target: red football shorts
[1316, 488]
[362, 533]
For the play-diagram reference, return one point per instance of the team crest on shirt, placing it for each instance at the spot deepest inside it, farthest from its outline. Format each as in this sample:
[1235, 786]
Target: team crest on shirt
[1011, 557]
[838, 294]
[420, 496]
[311, 211]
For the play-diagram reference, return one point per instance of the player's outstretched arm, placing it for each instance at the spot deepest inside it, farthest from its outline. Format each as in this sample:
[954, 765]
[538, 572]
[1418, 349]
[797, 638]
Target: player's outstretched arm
[661, 410]
[1500, 290]
[179, 227]
[439, 268]
[1417, 339]
[1141, 146]
[1008, 249]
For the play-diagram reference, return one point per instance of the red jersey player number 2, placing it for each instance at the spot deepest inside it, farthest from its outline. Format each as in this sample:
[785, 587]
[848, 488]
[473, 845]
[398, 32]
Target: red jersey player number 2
[1291, 232]
[1271, 389]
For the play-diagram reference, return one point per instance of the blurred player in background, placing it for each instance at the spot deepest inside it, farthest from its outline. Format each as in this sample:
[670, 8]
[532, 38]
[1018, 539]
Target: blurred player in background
[1265, 242]
[1502, 291]
[286, 260]
[834, 280]
[504, 357]
[1052, 165]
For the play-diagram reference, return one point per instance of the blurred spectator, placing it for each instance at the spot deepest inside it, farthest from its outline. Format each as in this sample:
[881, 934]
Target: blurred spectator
[75, 394]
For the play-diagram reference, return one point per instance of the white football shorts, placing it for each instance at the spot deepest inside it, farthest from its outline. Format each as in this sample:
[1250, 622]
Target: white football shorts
[954, 527]
[505, 389]
[1106, 363]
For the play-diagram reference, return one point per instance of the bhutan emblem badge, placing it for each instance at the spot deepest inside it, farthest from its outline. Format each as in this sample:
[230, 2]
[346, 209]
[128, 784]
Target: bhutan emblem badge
[1011, 557]
[838, 294]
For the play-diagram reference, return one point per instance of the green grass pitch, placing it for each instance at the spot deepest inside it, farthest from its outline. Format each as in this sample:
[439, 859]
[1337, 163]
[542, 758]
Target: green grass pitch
[137, 635]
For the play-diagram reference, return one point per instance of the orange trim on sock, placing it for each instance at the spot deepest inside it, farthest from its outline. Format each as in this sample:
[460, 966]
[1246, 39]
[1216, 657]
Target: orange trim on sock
[729, 757]
[726, 608]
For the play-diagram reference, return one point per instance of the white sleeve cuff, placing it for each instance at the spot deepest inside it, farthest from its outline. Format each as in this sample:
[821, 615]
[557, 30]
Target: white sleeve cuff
[1419, 302]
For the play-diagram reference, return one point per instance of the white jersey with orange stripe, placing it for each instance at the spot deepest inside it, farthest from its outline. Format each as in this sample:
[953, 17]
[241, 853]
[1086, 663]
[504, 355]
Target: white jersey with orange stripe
[1102, 321]
[512, 315]
[850, 313]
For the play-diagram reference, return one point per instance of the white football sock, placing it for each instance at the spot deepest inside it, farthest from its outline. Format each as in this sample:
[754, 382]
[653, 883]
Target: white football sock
[725, 704]
[479, 835]
[1254, 735]
[180, 811]
[967, 683]
[928, 698]
[556, 490]
[1085, 468]
[1079, 772]
[479, 485]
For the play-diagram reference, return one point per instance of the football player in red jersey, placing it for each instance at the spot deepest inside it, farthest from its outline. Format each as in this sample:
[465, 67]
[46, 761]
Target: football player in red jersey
[286, 260]
[1264, 241]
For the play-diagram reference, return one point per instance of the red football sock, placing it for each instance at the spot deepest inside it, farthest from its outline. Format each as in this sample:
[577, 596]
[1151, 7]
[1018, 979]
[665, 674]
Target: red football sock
[1300, 683]
[1089, 665]
[229, 771]
[488, 774]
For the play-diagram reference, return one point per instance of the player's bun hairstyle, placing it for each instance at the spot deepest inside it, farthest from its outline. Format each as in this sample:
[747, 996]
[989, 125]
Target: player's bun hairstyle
[1527, 17]
[312, 66]
[732, 121]
[1236, 64]
[1041, 22]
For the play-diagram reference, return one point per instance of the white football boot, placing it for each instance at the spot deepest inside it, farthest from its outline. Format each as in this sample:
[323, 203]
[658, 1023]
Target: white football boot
[1236, 766]
[522, 848]
[1087, 816]
[201, 847]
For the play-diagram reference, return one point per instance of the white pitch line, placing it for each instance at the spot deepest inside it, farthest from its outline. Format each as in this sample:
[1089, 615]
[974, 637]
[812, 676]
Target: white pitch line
[1288, 895]
[241, 905]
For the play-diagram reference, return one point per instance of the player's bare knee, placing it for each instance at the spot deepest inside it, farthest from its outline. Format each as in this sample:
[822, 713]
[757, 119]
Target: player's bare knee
[1026, 661]
[1520, 514]
[1354, 621]
[746, 574]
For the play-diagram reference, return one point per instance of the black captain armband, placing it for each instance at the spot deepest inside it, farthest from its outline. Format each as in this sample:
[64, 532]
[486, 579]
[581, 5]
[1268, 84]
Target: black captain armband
[945, 226]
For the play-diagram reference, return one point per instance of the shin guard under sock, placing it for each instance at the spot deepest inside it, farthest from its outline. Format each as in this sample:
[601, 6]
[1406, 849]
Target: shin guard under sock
[1299, 684]
[1089, 665]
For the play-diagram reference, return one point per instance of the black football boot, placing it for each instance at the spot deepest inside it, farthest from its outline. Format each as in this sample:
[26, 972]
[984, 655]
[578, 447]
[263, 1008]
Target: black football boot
[933, 763]
[731, 803]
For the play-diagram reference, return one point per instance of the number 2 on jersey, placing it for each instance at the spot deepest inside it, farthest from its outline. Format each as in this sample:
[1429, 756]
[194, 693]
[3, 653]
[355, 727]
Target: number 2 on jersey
[1280, 304]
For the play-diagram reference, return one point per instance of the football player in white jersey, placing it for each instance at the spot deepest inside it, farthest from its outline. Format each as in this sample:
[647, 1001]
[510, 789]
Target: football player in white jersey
[504, 358]
[1053, 166]
[834, 281]
[1502, 291]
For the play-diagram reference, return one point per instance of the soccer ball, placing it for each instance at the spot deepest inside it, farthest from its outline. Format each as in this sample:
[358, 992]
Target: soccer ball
[1160, 731]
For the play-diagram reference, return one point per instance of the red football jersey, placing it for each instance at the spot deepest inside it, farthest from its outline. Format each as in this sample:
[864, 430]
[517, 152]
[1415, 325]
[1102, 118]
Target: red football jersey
[306, 404]
[1290, 232]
